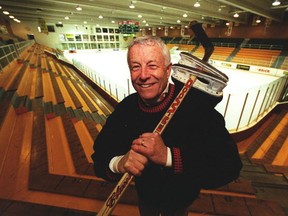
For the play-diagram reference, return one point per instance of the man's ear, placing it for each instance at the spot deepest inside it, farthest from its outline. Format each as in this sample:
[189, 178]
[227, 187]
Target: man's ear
[169, 69]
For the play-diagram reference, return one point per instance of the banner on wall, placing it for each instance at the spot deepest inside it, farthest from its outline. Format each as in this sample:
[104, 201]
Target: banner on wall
[166, 31]
[3, 29]
[182, 30]
[42, 25]
[153, 31]
[229, 29]
[243, 67]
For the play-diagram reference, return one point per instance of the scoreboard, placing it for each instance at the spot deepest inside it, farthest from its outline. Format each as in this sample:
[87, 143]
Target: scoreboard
[128, 27]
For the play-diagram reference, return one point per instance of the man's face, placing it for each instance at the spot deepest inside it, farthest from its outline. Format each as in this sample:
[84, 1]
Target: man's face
[148, 72]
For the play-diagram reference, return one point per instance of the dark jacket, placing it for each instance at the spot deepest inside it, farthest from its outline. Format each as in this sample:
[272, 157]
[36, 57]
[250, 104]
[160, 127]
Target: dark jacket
[203, 152]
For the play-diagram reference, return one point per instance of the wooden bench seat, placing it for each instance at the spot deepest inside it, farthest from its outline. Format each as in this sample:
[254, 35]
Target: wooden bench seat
[91, 127]
[237, 206]
[77, 103]
[7, 73]
[5, 104]
[56, 88]
[39, 91]
[18, 77]
[284, 65]
[39, 177]
[12, 207]
[80, 161]
[49, 68]
[105, 107]
[21, 104]
[49, 110]
[87, 100]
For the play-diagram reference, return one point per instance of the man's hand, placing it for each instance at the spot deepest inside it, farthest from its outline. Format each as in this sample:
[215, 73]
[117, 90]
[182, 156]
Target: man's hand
[132, 162]
[151, 145]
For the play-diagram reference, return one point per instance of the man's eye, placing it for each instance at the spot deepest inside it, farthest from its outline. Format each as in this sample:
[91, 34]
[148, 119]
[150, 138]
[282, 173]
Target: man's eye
[153, 67]
[135, 67]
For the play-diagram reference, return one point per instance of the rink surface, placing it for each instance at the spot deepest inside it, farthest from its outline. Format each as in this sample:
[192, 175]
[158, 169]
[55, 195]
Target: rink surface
[112, 66]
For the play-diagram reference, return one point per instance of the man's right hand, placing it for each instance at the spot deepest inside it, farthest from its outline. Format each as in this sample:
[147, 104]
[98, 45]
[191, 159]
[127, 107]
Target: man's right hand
[133, 163]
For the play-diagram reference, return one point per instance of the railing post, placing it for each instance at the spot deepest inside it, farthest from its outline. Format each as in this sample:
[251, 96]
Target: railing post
[254, 105]
[240, 117]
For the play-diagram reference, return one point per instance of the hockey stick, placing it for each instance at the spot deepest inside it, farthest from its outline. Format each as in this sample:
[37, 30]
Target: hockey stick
[121, 186]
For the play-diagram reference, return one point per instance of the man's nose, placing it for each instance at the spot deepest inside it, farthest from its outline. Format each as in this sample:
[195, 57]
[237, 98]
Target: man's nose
[144, 73]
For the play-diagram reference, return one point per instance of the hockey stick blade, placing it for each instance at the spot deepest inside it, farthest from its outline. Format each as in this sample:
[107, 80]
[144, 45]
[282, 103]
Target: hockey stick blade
[192, 61]
[206, 82]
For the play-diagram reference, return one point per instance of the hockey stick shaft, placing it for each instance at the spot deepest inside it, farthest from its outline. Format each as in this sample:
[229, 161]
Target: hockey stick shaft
[122, 185]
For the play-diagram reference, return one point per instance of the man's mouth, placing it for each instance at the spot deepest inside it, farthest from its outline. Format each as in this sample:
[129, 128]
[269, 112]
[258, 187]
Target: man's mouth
[145, 85]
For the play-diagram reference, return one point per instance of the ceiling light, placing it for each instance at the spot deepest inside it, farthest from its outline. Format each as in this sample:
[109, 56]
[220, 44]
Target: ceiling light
[100, 17]
[12, 17]
[139, 16]
[236, 15]
[78, 8]
[6, 12]
[185, 15]
[178, 21]
[197, 4]
[258, 20]
[66, 18]
[276, 3]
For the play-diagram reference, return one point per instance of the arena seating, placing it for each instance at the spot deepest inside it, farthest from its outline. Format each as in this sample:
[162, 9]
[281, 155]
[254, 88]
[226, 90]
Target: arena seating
[262, 57]
[284, 66]
[260, 52]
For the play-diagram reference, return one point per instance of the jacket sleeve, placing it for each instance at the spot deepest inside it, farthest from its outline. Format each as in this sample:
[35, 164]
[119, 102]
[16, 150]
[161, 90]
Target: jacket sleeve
[103, 150]
[215, 159]
[110, 142]
[204, 148]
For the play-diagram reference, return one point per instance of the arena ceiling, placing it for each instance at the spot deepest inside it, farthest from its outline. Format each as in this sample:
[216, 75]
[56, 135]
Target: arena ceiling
[154, 13]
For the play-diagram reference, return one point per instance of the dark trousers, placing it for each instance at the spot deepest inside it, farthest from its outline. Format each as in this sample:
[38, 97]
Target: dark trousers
[146, 210]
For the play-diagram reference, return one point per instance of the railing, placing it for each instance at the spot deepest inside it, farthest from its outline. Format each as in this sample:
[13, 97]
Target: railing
[240, 110]
[245, 109]
[12, 51]
[221, 44]
[263, 46]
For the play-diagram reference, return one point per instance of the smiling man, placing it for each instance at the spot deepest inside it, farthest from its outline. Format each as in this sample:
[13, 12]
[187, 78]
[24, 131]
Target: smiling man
[195, 151]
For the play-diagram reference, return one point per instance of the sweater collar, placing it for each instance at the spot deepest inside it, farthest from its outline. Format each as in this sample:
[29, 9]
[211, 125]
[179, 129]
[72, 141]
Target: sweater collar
[159, 106]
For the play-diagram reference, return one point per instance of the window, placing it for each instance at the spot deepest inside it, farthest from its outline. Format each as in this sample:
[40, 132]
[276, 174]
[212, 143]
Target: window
[78, 37]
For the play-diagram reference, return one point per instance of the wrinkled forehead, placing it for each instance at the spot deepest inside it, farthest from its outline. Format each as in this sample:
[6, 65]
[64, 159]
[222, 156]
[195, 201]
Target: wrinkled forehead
[149, 48]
